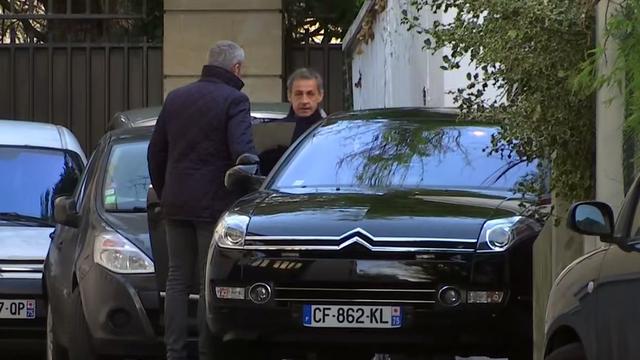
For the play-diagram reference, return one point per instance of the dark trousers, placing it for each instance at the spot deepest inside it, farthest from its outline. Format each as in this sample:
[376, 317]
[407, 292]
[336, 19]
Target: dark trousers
[188, 244]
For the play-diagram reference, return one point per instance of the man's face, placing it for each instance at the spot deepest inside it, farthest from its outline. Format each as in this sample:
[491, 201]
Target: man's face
[305, 97]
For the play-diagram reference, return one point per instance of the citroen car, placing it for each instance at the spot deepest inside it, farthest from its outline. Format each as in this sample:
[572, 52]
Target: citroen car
[101, 270]
[388, 231]
[593, 311]
[38, 162]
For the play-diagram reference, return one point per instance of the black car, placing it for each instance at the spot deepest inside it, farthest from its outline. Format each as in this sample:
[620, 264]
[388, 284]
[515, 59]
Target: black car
[384, 230]
[100, 271]
[593, 310]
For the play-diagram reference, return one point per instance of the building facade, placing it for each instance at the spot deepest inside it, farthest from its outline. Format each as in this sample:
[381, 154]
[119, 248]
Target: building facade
[192, 26]
[391, 68]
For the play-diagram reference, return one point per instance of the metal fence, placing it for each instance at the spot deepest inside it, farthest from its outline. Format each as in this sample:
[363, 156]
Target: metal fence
[70, 69]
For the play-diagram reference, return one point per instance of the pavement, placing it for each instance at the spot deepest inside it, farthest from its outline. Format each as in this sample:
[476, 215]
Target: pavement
[40, 356]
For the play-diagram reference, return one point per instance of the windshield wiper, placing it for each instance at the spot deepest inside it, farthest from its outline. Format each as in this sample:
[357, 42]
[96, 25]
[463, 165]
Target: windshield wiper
[22, 218]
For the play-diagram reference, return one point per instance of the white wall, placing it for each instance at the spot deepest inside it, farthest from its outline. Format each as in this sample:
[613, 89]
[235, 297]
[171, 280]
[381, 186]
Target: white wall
[395, 71]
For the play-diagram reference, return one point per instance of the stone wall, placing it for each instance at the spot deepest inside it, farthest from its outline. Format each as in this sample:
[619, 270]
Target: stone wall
[192, 26]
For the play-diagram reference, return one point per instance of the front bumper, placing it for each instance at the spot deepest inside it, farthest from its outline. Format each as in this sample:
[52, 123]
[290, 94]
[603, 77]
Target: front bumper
[122, 312]
[16, 332]
[468, 333]
[404, 280]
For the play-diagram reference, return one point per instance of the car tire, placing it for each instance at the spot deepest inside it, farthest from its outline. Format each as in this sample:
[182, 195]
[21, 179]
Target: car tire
[573, 351]
[236, 351]
[518, 356]
[81, 344]
[54, 350]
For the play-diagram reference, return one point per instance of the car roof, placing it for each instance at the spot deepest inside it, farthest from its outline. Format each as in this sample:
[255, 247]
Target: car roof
[37, 134]
[270, 110]
[142, 114]
[148, 116]
[423, 113]
[131, 133]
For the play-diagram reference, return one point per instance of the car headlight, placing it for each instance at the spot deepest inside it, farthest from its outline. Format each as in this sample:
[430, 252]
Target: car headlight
[231, 231]
[119, 255]
[497, 235]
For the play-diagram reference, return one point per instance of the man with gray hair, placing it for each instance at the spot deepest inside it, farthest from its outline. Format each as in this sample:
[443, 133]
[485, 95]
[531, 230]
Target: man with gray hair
[201, 131]
[305, 94]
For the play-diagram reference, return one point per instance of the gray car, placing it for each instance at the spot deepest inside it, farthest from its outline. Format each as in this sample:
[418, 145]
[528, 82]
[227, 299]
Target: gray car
[260, 112]
[104, 278]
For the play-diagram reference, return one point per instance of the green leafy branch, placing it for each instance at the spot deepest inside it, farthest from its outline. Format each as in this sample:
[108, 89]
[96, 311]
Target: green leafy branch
[530, 52]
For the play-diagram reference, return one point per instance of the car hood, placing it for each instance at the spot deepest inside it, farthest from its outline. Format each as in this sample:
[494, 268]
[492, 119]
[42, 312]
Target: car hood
[437, 215]
[134, 227]
[24, 243]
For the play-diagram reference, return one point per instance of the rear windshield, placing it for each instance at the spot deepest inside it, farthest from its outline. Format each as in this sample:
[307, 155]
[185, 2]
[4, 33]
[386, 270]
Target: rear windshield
[32, 178]
[127, 178]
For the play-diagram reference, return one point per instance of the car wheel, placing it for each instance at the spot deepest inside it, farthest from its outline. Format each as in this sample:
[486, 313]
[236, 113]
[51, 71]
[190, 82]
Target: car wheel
[80, 346]
[54, 349]
[573, 351]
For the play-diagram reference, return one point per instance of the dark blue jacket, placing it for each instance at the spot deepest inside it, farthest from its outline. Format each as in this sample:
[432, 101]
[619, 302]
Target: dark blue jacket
[202, 129]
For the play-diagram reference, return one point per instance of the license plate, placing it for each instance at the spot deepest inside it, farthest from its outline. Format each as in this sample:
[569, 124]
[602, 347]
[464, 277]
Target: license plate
[17, 309]
[348, 316]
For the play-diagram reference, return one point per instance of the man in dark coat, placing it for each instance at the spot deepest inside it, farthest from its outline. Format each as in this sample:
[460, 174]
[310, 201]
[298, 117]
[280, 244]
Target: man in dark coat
[202, 129]
[305, 93]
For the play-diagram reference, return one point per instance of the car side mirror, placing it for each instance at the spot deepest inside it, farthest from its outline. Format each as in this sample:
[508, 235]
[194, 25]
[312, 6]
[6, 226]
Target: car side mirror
[244, 177]
[592, 218]
[65, 212]
[248, 159]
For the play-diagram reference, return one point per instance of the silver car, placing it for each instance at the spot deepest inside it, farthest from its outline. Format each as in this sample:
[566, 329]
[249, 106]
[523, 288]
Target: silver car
[38, 162]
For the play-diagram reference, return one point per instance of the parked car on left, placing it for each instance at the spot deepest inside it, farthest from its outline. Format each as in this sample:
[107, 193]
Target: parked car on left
[38, 163]
[105, 295]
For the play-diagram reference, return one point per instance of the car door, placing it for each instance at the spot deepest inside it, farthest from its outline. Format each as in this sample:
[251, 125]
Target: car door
[618, 288]
[62, 251]
[158, 239]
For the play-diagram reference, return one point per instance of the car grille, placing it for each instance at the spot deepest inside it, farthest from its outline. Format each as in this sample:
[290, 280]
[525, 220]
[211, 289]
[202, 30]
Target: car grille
[360, 238]
[29, 269]
[355, 295]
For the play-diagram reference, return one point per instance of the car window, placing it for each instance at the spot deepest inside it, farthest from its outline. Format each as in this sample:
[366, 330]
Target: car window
[630, 223]
[32, 178]
[127, 179]
[405, 154]
[81, 190]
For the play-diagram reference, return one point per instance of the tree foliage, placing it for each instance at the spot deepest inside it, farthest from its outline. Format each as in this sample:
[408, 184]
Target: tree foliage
[31, 26]
[324, 19]
[623, 27]
[530, 51]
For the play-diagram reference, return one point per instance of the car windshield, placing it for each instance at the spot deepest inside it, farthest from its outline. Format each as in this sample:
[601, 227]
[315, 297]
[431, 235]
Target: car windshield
[127, 178]
[30, 180]
[400, 154]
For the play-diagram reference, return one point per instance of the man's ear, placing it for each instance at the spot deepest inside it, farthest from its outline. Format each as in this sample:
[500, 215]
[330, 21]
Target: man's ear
[289, 97]
[321, 96]
[237, 68]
